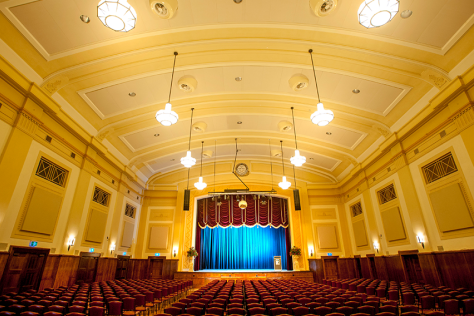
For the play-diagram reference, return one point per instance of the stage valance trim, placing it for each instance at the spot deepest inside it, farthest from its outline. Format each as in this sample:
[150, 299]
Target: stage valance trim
[227, 213]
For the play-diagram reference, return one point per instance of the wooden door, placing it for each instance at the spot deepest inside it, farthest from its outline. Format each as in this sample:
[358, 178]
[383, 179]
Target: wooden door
[413, 270]
[24, 269]
[122, 267]
[155, 267]
[87, 267]
[358, 267]
[330, 267]
[373, 269]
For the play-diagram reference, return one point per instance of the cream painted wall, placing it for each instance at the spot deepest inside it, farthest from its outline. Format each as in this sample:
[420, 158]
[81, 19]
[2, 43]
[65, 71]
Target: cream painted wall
[368, 229]
[404, 211]
[312, 242]
[6, 226]
[467, 167]
[5, 130]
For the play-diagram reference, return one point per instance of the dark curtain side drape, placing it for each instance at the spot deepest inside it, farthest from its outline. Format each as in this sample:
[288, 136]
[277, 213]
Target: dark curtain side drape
[242, 247]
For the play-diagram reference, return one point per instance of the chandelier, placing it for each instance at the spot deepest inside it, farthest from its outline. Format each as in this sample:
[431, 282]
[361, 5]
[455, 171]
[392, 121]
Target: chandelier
[283, 184]
[297, 159]
[321, 117]
[189, 161]
[375, 13]
[167, 117]
[200, 185]
[117, 15]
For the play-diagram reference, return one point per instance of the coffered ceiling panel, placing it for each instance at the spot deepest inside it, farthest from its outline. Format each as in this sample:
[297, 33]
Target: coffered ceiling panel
[113, 99]
[253, 124]
[246, 151]
[53, 26]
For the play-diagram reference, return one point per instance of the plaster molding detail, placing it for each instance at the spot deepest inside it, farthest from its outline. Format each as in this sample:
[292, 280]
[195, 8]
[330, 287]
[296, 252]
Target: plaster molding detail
[27, 124]
[55, 84]
[435, 78]
[464, 118]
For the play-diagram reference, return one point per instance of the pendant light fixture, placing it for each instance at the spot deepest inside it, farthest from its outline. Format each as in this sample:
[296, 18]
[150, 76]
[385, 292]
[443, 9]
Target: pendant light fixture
[321, 117]
[375, 13]
[167, 117]
[189, 161]
[201, 185]
[297, 159]
[283, 184]
[117, 15]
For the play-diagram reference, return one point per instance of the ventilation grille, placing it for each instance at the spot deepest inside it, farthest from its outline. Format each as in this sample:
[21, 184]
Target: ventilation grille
[130, 210]
[356, 209]
[440, 248]
[439, 168]
[52, 172]
[387, 194]
[101, 197]
[53, 250]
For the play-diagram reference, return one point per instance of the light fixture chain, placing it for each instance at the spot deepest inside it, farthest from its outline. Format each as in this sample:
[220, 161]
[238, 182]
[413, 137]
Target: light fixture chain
[271, 162]
[281, 146]
[294, 127]
[172, 76]
[294, 174]
[202, 149]
[314, 73]
[190, 128]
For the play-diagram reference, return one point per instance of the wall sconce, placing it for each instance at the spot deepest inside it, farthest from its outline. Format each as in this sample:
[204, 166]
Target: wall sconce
[311, 251]
[376, 246]
[70, 243]
[175, 251]
[421, 240]
[112, 248]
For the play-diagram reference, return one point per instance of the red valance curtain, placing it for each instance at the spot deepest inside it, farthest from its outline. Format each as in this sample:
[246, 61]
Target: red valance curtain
[226, 212]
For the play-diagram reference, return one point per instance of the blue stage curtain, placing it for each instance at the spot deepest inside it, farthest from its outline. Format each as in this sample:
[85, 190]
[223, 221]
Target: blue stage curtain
[242, 247]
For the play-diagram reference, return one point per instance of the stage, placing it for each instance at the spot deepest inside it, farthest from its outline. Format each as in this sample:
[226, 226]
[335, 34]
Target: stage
[203, 277]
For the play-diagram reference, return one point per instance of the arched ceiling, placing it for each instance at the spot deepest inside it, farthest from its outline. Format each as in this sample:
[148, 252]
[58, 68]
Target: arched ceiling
[265, 42]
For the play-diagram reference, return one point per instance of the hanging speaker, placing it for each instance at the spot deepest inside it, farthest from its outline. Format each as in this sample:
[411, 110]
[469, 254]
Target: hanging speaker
[296, 197]
[187, 196]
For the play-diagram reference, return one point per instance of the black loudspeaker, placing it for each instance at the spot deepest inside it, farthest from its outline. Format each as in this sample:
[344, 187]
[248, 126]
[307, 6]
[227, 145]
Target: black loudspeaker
[187, 196]
[296, 197]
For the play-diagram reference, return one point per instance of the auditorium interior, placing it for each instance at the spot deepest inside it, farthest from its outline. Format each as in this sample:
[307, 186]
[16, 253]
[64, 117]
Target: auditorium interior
[191, 157]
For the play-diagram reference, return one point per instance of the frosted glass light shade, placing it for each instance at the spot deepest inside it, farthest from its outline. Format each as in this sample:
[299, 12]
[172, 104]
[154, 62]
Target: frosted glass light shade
[375, 13]
[188, 161]
[284, 184]
[200, 185]
[322, 117]
[167, 117]
[297, 159]
[117, 15]
[243, 204]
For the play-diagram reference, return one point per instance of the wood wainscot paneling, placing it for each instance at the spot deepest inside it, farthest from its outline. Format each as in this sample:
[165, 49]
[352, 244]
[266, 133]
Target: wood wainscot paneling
[429, 268]
[394, 268]
[372, 267]
[381, 268]
[455, 269]
[365, 269]
[316, 267]
[137, 269]
[106, 269]
[346, 268]
[60, 270]
[3, 262]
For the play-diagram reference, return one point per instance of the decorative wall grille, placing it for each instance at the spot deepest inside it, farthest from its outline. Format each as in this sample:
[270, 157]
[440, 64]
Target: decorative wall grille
[439, 168]
[52, 172]
[130, 210]
[387, 194]
[101, 197]
[356, 209]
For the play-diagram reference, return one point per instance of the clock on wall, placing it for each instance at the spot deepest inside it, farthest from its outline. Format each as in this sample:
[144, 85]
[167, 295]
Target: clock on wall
[242, 170]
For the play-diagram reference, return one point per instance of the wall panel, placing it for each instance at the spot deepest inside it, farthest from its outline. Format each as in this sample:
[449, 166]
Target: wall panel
[381, 268]
[394, 268]
[106, 268]
[365, 269]
[137, 269]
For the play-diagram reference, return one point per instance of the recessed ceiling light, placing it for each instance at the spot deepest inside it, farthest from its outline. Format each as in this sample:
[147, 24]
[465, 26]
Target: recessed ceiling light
[172, 159]
[85, 18]
[238, 78]
[239, 122]
[237, 1]
[132, 94]
[328, 133]
[406, 14]
[156, 135]
[356, 91]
